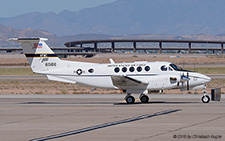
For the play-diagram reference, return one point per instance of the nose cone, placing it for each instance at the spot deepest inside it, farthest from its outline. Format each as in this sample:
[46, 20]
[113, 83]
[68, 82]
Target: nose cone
[205, 78]
[201, 78]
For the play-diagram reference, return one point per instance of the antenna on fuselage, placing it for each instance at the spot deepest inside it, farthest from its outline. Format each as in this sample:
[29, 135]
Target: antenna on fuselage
[111, 61]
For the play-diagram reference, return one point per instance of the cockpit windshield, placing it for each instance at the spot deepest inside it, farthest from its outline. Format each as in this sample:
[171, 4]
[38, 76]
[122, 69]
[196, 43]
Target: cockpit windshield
[176, 68]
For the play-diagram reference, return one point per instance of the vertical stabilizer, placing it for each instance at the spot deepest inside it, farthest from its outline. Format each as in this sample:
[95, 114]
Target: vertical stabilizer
[39, 55]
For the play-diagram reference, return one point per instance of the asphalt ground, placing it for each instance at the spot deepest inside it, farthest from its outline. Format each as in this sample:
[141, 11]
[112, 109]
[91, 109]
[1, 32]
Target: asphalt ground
[9, 77]
[108, 117]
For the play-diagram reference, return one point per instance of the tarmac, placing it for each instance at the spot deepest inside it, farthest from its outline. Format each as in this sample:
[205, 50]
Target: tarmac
[19, 77]
[108, 117]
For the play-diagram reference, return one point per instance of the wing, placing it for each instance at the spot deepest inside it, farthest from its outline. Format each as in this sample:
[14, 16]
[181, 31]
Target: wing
[125, 81]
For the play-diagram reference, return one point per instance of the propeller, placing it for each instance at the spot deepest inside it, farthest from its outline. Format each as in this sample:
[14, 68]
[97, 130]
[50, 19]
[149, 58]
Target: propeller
[185, 79]
[188, 88]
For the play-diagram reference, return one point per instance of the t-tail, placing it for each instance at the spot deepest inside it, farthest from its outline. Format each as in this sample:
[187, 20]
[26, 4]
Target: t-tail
[39, 55]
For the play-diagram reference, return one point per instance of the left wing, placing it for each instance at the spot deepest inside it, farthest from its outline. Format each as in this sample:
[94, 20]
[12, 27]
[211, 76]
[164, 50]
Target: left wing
[126, 81]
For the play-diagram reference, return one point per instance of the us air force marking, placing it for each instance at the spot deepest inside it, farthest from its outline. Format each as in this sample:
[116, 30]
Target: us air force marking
[79, 71]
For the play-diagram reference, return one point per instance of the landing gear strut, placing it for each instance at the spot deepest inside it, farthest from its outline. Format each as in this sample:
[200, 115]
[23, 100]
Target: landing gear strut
[205, 98]
[144, 98]
[129, 99]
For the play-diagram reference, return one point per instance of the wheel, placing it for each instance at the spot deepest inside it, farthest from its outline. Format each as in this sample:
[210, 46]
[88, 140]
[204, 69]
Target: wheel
[144, 99]
[205, 99]
[130, 99]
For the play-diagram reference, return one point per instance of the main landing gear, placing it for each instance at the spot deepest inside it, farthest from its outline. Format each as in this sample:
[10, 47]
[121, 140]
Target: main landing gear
[144, 98]
[130, 99]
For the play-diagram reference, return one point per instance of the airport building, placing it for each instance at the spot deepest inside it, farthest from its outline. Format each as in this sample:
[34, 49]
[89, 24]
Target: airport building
[89, 48]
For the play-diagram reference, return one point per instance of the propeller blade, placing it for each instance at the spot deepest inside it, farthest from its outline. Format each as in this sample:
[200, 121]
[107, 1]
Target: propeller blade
[188, 88]
[184, 78]
[182, 86]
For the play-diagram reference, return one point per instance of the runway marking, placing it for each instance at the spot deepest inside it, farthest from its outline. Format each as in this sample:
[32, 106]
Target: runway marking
[104, 125]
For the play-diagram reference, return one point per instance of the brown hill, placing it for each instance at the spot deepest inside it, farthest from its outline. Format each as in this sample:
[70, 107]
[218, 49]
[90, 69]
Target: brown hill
[55, 41]
[7, 32]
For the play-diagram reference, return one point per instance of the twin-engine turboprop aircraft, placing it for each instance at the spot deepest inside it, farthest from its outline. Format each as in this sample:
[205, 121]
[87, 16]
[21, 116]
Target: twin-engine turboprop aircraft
[137, 77]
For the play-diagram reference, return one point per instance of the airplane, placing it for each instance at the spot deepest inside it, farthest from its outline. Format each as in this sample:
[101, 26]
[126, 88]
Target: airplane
[132, 78]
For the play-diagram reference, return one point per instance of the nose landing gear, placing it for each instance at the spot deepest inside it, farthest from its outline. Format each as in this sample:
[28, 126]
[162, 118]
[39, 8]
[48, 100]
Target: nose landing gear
[205, 98]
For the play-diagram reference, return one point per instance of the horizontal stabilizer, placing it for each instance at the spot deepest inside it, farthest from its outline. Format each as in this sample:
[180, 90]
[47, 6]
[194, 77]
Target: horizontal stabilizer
[58, 78]
[27, 39]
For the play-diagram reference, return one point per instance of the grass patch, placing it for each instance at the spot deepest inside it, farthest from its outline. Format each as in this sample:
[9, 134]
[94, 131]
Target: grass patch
[16, 71]
[64, 91]
[39, 92]
[208, 70]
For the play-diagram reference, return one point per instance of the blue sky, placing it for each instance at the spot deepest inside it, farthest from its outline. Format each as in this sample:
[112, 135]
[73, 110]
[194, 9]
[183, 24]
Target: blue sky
[10, 8]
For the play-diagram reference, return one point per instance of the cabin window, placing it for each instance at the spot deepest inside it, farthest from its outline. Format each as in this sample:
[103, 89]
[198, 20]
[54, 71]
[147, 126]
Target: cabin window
[91, 70]
[124, 69]
[164, 68]
[139, 69]
[147, 68]
[131, 69]
[117, 70]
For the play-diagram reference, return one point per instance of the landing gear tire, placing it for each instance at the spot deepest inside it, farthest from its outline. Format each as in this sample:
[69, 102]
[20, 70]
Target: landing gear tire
[144, 98]
[130, 99]
[205, 99]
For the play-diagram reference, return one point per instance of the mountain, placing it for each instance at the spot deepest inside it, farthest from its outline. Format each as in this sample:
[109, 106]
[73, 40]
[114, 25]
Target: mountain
[53, 40]
[125, 17]
[7, 32]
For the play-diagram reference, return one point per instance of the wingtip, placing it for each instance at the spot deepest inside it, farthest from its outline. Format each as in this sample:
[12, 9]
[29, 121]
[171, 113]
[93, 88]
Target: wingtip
[13, 39]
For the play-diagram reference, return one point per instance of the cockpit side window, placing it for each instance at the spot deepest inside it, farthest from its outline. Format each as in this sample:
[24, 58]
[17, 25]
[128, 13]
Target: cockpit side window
[163, 68]
[176, 68]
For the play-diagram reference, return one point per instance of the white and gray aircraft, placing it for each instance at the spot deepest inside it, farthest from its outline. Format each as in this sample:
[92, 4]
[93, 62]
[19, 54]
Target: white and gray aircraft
[136, 77]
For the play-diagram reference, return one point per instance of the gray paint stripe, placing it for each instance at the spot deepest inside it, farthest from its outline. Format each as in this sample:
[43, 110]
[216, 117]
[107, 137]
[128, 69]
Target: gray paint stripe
[104, 125]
